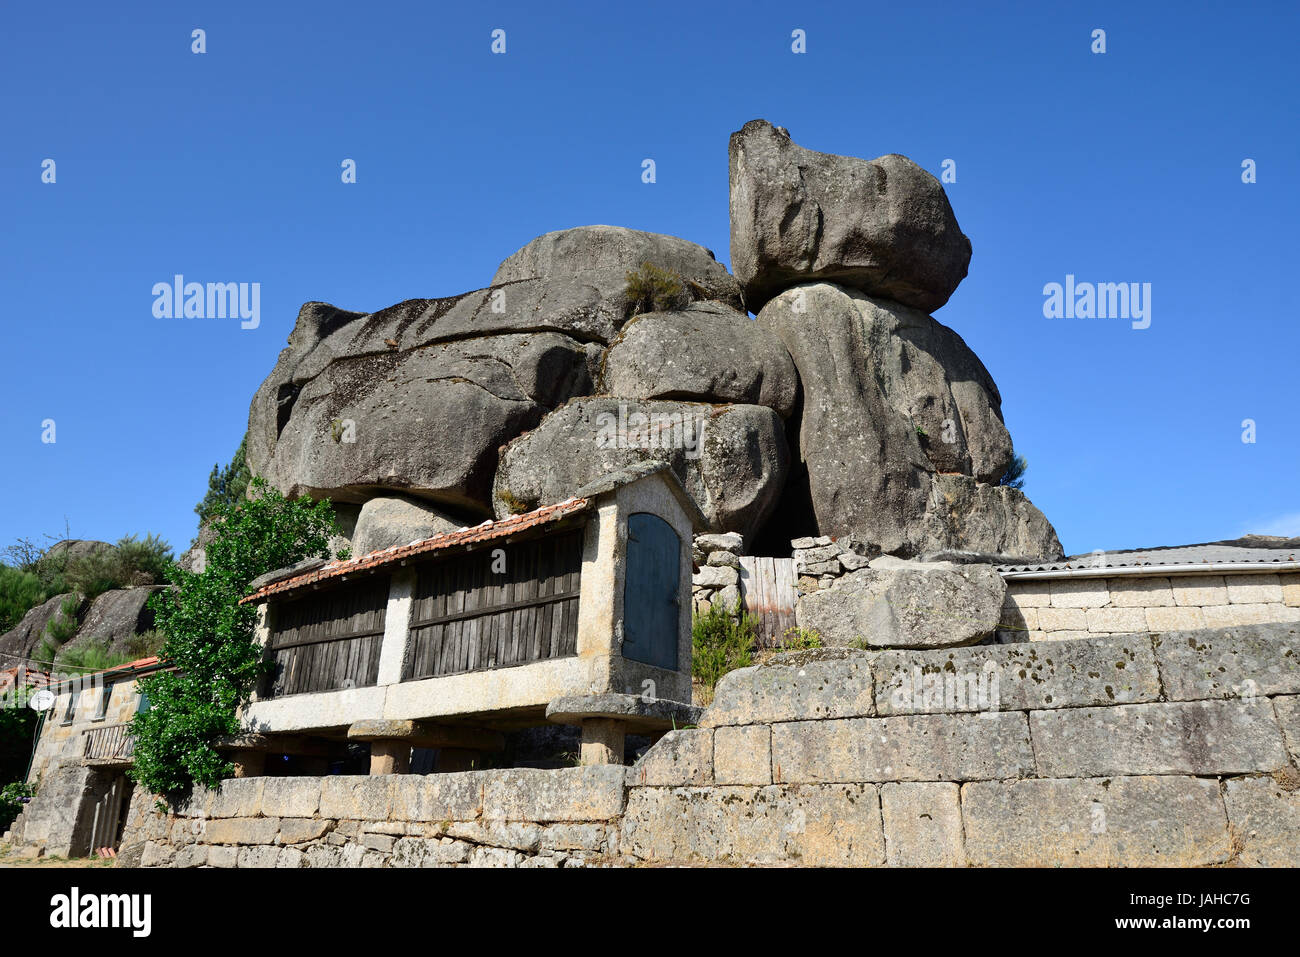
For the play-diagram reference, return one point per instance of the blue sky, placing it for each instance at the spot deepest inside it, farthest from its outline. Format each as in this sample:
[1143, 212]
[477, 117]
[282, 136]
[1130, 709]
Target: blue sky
[1115, 167]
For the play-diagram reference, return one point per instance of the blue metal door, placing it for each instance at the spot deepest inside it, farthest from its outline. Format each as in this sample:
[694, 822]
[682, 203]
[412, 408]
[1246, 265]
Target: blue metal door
[650, 591]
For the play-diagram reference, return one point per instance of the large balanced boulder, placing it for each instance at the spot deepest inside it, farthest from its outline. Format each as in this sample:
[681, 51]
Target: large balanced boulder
[390, 520]
[116, 616]
[601, 256]
[732, 459]
[893, 403]
[427, 419]
[898, 604]
[883, 226]
[708, 352]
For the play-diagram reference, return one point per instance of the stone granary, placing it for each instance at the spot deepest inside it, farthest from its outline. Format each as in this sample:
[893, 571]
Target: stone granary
[577, 612]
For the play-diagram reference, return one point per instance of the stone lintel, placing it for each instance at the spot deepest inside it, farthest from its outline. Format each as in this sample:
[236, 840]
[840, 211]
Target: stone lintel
[425, 734]
[637, 714]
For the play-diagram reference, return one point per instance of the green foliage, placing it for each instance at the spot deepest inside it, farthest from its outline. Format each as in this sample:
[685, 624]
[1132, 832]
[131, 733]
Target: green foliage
[90, 656]
[11, 802]
[652, 289]
[799, 639]
[209, 636]
[226, 486]
[721, 641]
[1014, 477]
[62, 627]
[17, 734]
[20, 592]
[132, 562]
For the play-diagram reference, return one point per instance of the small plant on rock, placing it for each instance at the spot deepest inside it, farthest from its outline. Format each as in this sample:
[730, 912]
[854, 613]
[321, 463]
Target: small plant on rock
[799, 639]
[652, 289]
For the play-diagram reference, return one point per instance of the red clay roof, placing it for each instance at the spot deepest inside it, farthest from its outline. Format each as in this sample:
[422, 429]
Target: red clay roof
[485, 532]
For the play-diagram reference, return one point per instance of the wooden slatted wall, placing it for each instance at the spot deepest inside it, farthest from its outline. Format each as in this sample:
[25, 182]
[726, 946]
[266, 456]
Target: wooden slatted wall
[767, 586]
[329, 639]
[467, 618]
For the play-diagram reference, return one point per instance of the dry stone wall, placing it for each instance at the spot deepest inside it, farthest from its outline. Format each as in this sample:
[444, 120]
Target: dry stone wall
[1177, 748]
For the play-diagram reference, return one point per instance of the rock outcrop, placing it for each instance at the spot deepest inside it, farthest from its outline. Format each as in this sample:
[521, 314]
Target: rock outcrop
[732, 459]
[883, 226]
[115, 617]
[24, 638]
[391, 520]
[709, 352]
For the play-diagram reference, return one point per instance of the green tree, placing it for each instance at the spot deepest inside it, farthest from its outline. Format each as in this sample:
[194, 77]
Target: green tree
[209, 637]
[17, 732]
[226, 486]
[1014, 477]
[20, 591]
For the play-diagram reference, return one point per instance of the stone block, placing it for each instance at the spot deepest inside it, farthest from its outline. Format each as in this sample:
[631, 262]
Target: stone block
[291, 797]
[1230, 662]
[1029, 594]
[1287, 709]
[357, 797]
[679, 758]
[223, 856]
[566, 794]
[1020, 676]
[922, 824]
[811, 825]
[1119, 621]
[1079, 593]
[300, 830]
[742, 755]
[1062, 619]
[1199, 590]
[1189, 737]
[1082, 822]
[241, 830]
[1264, 818]
[237, 797]
[438, 797]
[1290, 590]
[830, 683]
[257, 857]
[939, 747]
[1174, 619]
[1135, 592]
[1253, 589]
[515, 835]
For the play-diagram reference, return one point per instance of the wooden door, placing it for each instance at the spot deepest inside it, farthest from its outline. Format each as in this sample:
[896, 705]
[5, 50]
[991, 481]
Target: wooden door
[651, 591]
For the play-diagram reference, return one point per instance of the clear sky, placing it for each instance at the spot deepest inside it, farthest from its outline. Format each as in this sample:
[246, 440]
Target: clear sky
[1123, 166]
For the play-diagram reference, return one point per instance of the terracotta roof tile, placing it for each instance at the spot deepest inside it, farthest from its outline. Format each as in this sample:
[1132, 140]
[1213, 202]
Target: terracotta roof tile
[485, 532]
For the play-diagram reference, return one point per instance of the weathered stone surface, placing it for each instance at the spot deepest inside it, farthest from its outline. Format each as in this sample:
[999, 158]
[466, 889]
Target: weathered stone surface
[679, 758]
[390, 520]
[236, 797]
[884, 226]
[357, 797]
[601, 256]
[1100, 671]
[922, 824]
[300, 830]
[53, 818]
[732, 460]
[742, 755]
[1265, 817]
[26, 636]
[1287, 709]
[891, 399]
[707, 353]
[728, 542]
[425, 419]
[241, 830]
[1230, 662]
[567, 794]
[1110, 822]
[636, 712]
[290, 797]
[116, 616]
[956, 747]
[809, 825]
[825, 683]
[922, 607]
[715, 576]
[519, 836]
[1194, 737]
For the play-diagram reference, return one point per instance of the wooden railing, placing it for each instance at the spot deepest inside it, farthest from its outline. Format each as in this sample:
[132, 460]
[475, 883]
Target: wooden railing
[109, 742]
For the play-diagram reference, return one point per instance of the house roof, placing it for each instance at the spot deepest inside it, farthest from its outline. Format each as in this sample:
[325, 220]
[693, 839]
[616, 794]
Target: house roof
[486, 532]
[1253, 553]
[128, 670]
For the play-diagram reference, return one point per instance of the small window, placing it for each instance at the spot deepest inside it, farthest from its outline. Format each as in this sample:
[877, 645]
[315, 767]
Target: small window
[71, 710]
[101, 707]
[142, 705]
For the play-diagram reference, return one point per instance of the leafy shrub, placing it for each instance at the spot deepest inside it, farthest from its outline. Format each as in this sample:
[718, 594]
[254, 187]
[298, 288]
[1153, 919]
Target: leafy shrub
[12, 798]
[17, 734]
[652, 289]
[20, 592]
[132, 562]
[90, 656]
[62, 627]
[721, 641]
[799, 639]
[209, 636]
